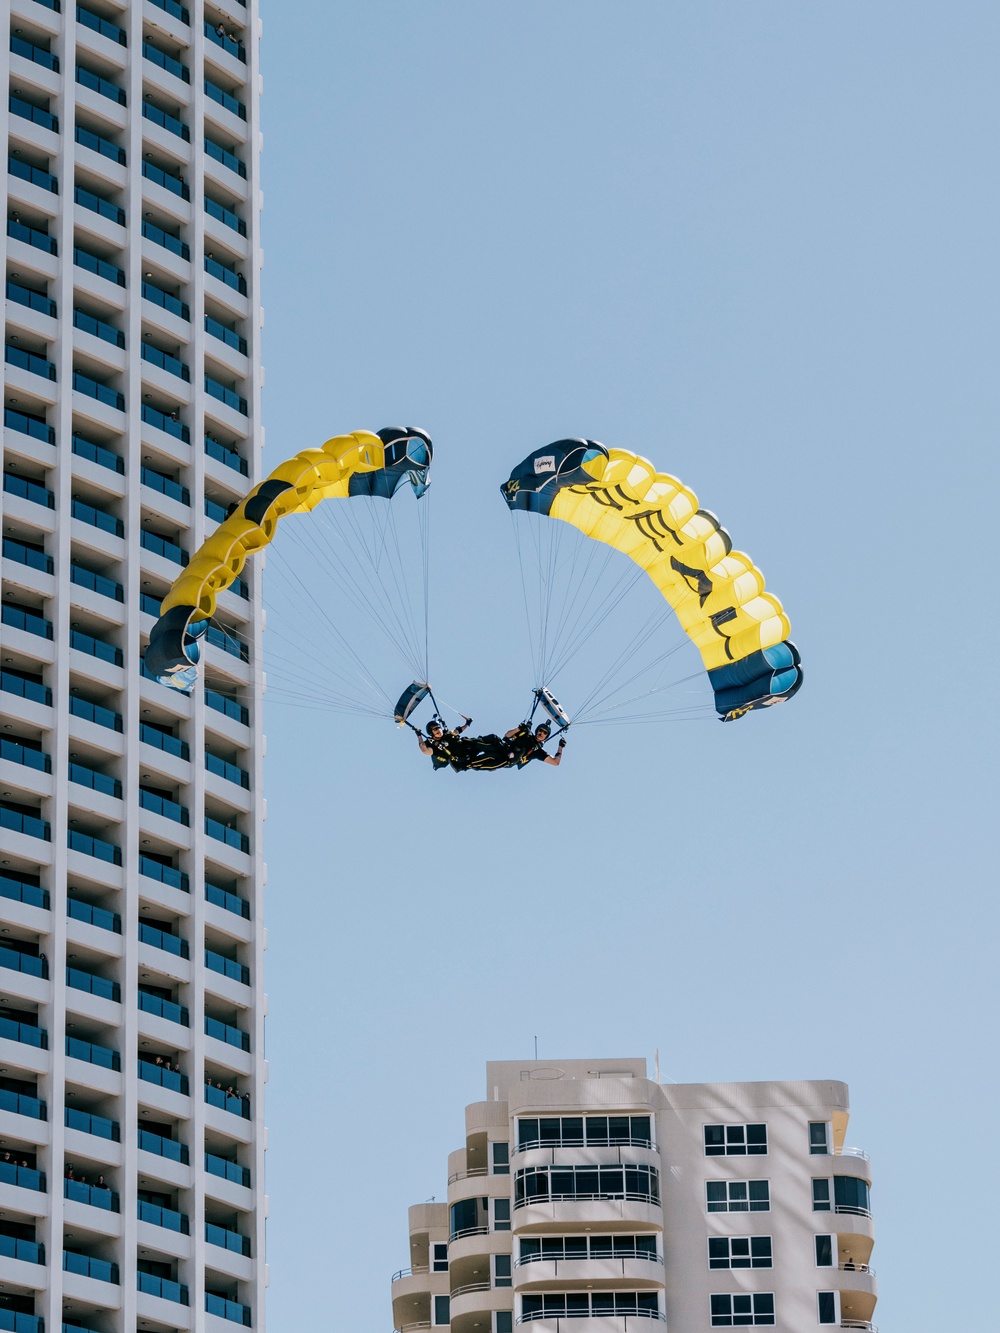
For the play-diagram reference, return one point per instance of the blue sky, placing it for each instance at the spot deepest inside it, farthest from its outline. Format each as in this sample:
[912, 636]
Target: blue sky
[756, 243]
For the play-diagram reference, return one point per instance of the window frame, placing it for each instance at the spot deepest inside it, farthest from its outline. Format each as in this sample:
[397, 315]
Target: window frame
[727, 1319]
[715, 1266]
[731, 1146]
[748, 1208]
[817, 1149]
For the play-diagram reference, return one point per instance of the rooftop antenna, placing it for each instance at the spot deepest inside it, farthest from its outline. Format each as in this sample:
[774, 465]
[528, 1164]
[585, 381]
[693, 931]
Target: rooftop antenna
[536, 1048]
[657, 1065]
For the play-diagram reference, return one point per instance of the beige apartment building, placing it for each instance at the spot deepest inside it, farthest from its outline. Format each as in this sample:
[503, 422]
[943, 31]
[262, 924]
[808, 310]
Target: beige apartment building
[586, 1191]
[131, 876]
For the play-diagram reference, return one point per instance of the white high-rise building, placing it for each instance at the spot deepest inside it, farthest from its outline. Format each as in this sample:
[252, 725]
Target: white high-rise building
[590, 1199]
[131, 937]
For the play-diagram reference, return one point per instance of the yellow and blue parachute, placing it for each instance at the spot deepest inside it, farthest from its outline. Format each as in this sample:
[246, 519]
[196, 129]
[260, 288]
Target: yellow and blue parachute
[360, 464]
[616, 497]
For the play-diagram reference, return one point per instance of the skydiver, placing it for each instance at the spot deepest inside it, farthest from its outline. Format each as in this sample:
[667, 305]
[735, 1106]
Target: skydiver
[525, 745]
[446, 748]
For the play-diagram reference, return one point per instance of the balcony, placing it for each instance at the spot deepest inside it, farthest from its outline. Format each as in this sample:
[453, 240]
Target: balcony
[94, 1196]
[91, 712]
[25, 424]
[151, 1003]
[18, 106]
[227, 1170]
[226, 216]
[226, 274]
[28, 1251]
[33, 175]
[30, 361]
[228, 1101]
[24, 1177]
[91, 515]
[164, 874]
[36, 54]
[165, 62]
[161, 1146]
[17, 821]
[166, 121]
[18, 617]
[159, 1216]
[95, 453]
[96, 847]
[232, 837]
[31, 964]
[167, 179]
[27, 1034]
[98, 328]
[174, 8]
[166, 239]
[163, 806]
[98, 144]
[225, 1032]
[102, 1270]
[33, 300]
[162, 939]
[172, 1079]
[227, 1240]
[168, 423]
[102, 393]
[22, 1104]
[103, 87]
[165, 300]
[78, 979]
[228, 457]
[82, 776]
[165, 1288]
[227, 1309]
[92, 1054]
[33, 557]
[100, 267]
[21, 752]
[24, 891]
[24, 686]
[164, 361]
[229, 902]
[216, 94]
[33, 236]
[88, 19]
[230, 45]
[100, 1127]
[163, 547]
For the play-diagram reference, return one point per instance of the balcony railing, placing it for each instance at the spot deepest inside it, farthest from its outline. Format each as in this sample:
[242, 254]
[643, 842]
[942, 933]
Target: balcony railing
[28, 1251]
[19, 618]
[166, 62]
[161, 1008]
[166, 179]
[96, 847]
[104, 87]
[28, 1034]
[227, 1309]
[94, 453]
[26, 755]
[161, 1146]
[163, 806]
[98, 1125]
[88, 19]
[102, 393]
[86, 643]
[229, 457]
[168, 1218]
[28, 425]
[167, 239]
[468, 1231]
[40, 240]
[98, 144]
[27, 555]
[92, 1054]
[177, 879]
[32, 299]
[96, 518]
[25, 1177]
[30, 825]
[226, 274]
[227, 1101]
[28, 963]
[99, 328]
[77, 979]
[94, 916]
[150, 1072]
[232, 1036]
[26, 172]
[13, 682]
[102, 1270]
[853, 1152]
[22, 1104]
[174, 8]
[570, 1321]
[859, 1323]
[36, 114]
[89, 777]
[162, 546]
[23, 891]
[170, 425]
[224, 769]
[165, 300]
[90, 712]
[164, 361]
[162, 740]
[227, 1170]
[229, 902]
[36, 54]
[163, 1287]
[166, 121]
[30, 361]
[220, 38]
[162, 939]
[95, 264]
[223, 155]
[94, 1196]
[230, 836]
[217, 94]
[227, 1240]
[225, 216]
[217, 330]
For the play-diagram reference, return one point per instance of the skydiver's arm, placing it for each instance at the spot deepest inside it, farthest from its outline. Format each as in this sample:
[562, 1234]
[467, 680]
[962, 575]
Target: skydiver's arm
[464, 727]
[556, 759]
[513, 732]
[424, 747]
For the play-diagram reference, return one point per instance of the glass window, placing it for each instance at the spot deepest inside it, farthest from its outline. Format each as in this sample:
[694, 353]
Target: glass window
[739, 1252]
[851, 1195]
[503, 1321]
[827, 1307]
[821, 1196]
[501, 1159]
[738, 1196]
[531, 1249]
[572, 1131]
[824, 1251]
[442, 1309]
[743, 1309]
[439, 1262]
[819, 1137]
[527, 1132]
[735, 1140]
[501, 1270]
[501, 1214]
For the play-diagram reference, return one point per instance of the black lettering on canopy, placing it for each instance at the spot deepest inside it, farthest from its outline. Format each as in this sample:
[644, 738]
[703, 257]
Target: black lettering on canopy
[653, 526]
[702, 584]
[601, 494]
[721, 618]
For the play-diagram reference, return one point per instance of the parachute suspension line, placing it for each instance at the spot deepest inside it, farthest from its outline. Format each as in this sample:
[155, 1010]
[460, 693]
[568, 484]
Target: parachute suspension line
[638, 641]
[338, 636]
[524, 594]
[424, 525]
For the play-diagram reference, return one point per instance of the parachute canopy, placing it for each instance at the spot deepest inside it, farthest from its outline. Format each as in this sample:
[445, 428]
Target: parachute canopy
[616, 497]
[359, 464]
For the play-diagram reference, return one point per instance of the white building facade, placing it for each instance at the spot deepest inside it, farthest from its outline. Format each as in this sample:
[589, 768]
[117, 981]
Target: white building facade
[590, 1199]
[131, 936]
